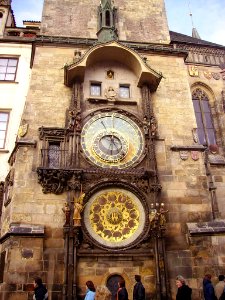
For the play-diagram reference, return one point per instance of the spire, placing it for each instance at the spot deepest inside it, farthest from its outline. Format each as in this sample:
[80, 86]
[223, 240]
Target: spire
[106, 17]
[194, 30]
[195, 34]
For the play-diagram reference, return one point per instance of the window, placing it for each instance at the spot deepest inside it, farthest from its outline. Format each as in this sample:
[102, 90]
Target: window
[107, 18]
[8, 67]
[95, 89]
[54, 154]
[4, 120]
[124, 91]
[205, 129]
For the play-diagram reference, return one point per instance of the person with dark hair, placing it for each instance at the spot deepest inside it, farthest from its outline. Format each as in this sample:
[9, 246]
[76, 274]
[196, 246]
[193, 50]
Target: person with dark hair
[219, 287]
[139, 290]
[183, 290]
[90, 294]
[208, 289]
[122, 291]
[40, 291]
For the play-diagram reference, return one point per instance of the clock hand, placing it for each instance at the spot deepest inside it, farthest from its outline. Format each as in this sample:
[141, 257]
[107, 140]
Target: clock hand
[103, 125]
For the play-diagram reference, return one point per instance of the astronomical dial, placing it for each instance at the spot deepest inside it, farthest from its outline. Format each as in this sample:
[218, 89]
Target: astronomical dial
[112, 140]
[114, 217]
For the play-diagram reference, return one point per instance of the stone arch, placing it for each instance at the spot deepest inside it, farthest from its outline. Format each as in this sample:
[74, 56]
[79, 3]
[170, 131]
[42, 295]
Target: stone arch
[113, 51]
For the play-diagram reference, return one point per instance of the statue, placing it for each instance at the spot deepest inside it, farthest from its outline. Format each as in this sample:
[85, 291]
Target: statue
[153, 218]
[146, 125]
[66, 211]
[111, 94]
[153, 126]
[78, 207]
[162, 218]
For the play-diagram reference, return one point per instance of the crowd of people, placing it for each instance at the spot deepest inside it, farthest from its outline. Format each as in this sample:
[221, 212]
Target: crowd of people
[210, 292]
[184, 292]
[102, 292]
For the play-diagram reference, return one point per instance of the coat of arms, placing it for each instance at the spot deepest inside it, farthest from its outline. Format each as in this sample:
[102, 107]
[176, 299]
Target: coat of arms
[207, 74]
[22, 130]
[195, 155]
[184, 155]
[216, 76]
[193, 71]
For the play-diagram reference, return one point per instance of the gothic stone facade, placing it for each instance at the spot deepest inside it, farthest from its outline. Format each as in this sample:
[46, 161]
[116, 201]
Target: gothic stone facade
[112, 136]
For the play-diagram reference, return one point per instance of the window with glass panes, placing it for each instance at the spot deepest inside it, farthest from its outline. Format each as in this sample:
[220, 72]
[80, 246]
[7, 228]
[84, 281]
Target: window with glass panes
[124, 91]
[8, 67]
[95, 89]
[4, 119]
[205, 129]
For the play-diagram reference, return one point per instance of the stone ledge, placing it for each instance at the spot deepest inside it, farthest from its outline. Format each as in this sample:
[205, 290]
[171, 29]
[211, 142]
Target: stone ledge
[200, 148]
[206, 228]
[28, 230]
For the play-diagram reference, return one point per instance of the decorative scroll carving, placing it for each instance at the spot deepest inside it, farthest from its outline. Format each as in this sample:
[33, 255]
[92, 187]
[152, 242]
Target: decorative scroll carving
[53, 181]
[51, 131]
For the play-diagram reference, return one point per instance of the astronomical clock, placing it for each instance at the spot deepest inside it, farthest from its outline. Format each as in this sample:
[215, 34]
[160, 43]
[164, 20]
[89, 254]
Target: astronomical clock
[114, 217]
[112, 140]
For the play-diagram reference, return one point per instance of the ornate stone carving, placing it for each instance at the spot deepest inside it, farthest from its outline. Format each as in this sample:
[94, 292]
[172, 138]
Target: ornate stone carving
[111, 93]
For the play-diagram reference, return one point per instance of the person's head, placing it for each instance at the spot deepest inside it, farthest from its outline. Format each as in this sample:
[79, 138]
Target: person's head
[90, 285]
[137, 278]
[121, 283]
[208, 277]
[180, 281]
[37, 281]
[221, 277]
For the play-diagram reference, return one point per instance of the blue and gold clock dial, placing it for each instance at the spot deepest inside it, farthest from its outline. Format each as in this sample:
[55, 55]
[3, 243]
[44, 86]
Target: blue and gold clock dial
[112, 140]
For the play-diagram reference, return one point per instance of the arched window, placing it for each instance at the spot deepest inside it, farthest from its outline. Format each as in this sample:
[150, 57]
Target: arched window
[107, 18]
[205, 129]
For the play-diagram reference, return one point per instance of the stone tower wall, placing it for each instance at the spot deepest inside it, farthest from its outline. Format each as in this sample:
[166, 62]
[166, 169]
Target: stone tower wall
[141, 20]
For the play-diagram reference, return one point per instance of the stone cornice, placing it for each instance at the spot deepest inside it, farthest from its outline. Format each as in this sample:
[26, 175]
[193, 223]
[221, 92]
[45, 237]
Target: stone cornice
[200, 148]
[59, 40]
[18, 144]
[23, 230]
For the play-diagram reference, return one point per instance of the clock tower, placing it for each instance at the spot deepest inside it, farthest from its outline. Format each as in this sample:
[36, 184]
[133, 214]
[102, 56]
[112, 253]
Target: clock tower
[110, 122]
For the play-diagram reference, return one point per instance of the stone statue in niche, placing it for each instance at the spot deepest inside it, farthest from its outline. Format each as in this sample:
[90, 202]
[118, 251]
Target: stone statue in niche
[110, 94]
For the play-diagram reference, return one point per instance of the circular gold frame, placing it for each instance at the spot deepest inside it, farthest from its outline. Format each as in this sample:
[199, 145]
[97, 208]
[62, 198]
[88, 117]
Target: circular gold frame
[114, 217]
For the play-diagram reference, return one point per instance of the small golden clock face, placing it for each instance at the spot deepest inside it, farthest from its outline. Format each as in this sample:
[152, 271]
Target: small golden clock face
[112, 140]
[114, 217]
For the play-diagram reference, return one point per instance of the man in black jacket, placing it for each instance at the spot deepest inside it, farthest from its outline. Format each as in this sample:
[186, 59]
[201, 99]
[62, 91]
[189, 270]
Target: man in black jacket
[139, 290]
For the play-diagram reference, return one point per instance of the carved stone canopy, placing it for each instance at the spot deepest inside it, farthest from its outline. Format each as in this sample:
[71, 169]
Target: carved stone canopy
[113, 51]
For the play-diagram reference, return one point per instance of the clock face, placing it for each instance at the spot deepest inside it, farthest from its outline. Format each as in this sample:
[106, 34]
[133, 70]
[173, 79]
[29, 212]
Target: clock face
[112, 140]
[114, 217]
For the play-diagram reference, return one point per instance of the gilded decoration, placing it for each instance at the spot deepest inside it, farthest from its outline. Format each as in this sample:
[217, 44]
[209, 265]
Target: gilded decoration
[207, 74]
[114, 217]
[193, 71]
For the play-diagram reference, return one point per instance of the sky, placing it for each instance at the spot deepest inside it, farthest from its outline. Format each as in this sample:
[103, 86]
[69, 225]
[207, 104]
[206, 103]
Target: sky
[208, 16]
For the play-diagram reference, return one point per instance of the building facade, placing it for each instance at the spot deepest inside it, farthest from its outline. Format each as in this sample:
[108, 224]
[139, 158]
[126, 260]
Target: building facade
[121, 169]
